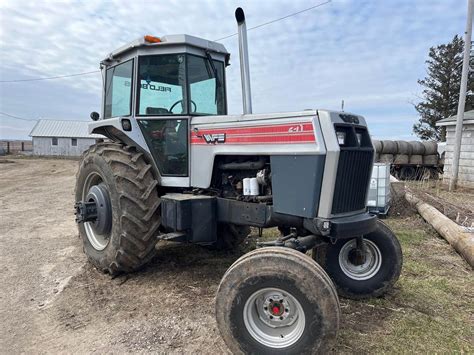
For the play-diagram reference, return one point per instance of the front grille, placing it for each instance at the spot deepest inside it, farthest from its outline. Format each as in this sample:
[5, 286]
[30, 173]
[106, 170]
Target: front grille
[353, 175]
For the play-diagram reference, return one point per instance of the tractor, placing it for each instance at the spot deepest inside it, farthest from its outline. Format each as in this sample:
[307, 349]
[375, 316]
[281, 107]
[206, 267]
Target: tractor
[176, 167]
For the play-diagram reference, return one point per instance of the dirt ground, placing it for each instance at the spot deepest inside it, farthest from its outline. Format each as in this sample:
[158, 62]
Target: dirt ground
[52, 300]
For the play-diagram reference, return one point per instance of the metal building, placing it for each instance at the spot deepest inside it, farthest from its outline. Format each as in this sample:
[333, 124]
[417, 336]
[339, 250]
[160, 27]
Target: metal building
[466, 161]
[62, 138]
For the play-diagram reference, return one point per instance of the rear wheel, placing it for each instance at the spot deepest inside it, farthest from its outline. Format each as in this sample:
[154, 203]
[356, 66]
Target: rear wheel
[371, 274]
[277, 300]
[119, 180]
[230, 236]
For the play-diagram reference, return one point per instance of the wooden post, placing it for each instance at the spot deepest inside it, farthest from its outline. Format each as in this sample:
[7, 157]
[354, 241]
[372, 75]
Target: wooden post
[8, 147]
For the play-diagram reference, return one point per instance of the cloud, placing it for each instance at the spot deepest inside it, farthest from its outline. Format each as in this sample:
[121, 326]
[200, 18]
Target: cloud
[369, 53]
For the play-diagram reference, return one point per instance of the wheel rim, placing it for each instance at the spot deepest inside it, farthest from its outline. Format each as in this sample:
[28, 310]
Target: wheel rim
[99, 241]
[274, 318]
[365, 270]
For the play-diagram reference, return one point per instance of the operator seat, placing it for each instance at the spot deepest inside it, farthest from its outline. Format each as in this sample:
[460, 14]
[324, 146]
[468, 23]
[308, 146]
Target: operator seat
[156, 111]
[183, 134]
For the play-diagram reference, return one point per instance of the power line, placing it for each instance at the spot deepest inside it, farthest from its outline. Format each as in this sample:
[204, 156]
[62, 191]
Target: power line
[276, 20]
[50, 77]
[18, 118]
[216, 40]
[36, 119]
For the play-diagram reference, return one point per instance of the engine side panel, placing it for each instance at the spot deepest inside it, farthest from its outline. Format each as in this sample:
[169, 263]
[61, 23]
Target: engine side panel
[296, 183]
[271, 135]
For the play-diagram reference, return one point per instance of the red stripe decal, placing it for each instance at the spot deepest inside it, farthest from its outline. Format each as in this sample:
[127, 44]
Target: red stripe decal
[300, 132]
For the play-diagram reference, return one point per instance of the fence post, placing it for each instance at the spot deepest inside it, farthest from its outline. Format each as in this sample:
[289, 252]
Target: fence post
[8, 147]
[22, 146]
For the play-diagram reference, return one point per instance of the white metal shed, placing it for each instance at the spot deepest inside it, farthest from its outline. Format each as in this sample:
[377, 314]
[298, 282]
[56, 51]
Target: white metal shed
[62, 138]
[466, 161]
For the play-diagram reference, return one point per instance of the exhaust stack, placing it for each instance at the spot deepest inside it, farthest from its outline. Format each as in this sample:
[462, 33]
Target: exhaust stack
[244, 61]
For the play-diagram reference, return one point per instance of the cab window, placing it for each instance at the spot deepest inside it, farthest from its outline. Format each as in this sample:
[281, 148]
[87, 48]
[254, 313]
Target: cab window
[162, 85]
[206, 86]
[118, 90]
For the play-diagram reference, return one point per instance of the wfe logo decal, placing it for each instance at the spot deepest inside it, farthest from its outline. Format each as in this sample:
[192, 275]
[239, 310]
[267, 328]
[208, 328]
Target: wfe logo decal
[214, 138]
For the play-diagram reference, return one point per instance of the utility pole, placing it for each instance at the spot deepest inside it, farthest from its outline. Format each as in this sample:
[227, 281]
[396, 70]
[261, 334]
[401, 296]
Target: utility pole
[462, 97]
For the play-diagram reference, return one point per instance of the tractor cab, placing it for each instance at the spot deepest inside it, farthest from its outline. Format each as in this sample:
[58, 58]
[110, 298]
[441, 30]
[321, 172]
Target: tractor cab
[157, 85]
[176, 75]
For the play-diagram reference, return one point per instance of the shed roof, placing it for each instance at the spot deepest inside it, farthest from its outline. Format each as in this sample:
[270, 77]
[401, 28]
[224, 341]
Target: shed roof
[450, 121]
[69, 129]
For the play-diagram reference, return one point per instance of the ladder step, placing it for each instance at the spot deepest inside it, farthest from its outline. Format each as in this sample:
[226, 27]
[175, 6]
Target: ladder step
[173, 237]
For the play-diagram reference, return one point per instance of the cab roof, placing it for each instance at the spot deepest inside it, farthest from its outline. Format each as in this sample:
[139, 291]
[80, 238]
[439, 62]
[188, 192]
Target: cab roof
[169, 40]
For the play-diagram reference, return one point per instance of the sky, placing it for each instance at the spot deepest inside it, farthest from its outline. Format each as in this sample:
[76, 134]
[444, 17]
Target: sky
[367, 53]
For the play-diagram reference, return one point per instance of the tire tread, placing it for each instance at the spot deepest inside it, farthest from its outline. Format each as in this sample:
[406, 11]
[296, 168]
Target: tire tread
[139, 204]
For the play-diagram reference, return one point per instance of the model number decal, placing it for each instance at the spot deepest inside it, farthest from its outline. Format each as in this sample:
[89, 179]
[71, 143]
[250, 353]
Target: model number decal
[298, 128]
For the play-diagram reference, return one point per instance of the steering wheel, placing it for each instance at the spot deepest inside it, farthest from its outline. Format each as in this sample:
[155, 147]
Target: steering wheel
[177, 102]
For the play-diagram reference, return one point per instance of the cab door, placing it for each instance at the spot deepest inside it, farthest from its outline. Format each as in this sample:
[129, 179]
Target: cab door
[167, 139]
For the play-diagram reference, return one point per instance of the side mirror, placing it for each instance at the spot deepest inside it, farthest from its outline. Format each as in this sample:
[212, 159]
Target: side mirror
[94, 116]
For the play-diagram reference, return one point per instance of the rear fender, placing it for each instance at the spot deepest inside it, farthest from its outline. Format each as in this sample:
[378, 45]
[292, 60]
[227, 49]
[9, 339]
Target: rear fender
[112, 128]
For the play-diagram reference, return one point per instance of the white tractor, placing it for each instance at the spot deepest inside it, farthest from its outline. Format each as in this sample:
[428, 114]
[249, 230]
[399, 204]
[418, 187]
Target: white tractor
[177, 167]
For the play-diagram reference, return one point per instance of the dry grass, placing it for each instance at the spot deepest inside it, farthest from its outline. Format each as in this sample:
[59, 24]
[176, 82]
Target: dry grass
[457, 205]
[462, 196]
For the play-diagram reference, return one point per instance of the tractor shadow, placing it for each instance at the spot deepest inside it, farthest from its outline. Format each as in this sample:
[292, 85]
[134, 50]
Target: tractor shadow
[201, 262]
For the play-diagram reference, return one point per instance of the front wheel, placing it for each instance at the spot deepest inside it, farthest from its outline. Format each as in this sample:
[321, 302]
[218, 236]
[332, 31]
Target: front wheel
[371, 274]
[277, 301]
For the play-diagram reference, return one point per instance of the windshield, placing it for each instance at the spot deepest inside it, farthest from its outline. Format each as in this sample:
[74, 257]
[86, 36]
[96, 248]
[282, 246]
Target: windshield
[162, 85]
[180, 84]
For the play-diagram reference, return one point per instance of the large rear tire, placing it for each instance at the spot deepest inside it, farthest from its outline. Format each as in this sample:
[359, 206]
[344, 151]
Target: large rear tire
[123, 174]
[230, 236]
[371, 278]
[277, 301]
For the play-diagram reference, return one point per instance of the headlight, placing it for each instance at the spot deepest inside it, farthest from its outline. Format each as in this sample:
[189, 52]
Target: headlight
[341, 137]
